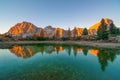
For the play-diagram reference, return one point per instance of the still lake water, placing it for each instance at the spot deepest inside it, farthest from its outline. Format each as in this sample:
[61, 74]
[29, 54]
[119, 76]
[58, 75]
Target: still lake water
[59, 62]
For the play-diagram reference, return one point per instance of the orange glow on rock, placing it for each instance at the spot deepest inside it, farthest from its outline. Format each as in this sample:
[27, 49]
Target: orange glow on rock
[95, 52]
[79, 31]
[96, 26]
[60, 30]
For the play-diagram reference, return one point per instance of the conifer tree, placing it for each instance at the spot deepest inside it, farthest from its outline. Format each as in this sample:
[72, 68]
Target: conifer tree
[85, 31]
[102, 32]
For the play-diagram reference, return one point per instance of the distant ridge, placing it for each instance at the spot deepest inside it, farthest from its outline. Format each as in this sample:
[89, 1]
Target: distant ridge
[25, 29]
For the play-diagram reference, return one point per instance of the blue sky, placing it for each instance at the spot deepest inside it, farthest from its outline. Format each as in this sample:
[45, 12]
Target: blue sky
[58, 13]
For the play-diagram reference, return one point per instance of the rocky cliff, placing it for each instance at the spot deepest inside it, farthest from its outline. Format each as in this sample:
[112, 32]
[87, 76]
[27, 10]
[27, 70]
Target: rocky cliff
[23, 29]
[93, 29]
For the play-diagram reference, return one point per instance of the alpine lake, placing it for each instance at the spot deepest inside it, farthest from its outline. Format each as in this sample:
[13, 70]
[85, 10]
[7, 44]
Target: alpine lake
[58, 62]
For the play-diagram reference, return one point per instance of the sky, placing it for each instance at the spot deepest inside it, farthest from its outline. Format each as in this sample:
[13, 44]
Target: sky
[57, 13]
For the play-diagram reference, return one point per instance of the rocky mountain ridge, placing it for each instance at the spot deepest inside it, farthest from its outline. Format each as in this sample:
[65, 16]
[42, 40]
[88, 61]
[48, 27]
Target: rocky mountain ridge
[25, 29]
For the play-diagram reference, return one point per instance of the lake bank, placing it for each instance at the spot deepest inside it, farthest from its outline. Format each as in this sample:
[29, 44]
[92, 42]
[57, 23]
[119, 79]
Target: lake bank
[82, 43]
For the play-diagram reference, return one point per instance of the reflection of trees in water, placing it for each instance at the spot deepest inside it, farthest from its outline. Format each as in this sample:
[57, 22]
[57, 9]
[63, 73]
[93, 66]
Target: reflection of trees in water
[48, 49]
[104, 56]
[85, 51]
[68, 49]
[77, 50]
[25, 51]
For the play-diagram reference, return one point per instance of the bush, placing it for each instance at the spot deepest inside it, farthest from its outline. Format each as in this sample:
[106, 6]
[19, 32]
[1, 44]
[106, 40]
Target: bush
[28, 38]
[41, 38]
[77, 38]
[1, 40]
[51, 39]
[65, 38]
[8, 36]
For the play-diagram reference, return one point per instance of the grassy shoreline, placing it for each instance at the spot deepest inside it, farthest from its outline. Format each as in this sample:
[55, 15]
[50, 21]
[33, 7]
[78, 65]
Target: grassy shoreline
[81, 43]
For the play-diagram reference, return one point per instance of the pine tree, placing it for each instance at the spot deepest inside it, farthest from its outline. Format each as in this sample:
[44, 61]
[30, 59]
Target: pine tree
[113, 29]
[102, 32]
[118, 31]
[85, 31]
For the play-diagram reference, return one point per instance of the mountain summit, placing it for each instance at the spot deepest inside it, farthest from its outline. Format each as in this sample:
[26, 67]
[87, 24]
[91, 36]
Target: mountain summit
[94, 28]
[24, 27]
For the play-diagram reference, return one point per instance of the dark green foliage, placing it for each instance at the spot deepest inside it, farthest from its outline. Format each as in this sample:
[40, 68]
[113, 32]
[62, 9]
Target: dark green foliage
[102, 32]
[41, 38]
[118, 31]
[113, 29]
[85, 31]
[52, 38]
[85, 51]
[36, 38]
[77, 38]
[28, 38]
[8, 36]
[105, 56]
[1, 40]
[65, 38]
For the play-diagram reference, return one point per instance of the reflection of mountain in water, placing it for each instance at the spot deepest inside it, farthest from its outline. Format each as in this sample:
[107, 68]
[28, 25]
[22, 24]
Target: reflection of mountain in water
[23, 51]
[29, 50]
[95, 52]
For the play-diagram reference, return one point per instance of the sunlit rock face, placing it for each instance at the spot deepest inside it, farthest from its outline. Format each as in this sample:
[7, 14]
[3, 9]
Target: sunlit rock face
[94, 28]
[48, 31]
[58, 32]
[76, 32]
[23, 29]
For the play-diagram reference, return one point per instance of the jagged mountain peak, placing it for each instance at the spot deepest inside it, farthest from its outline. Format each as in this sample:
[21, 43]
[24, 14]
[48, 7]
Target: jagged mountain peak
[93, 29]
[106, 20]
[49, 26]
